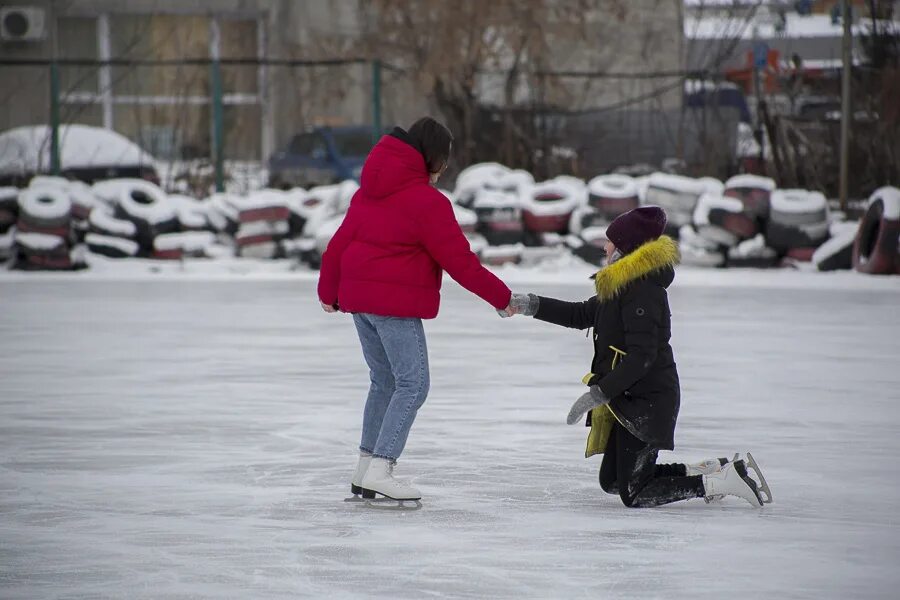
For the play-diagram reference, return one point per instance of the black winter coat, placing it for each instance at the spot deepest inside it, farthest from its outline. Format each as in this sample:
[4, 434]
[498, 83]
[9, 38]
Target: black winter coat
[631, 313]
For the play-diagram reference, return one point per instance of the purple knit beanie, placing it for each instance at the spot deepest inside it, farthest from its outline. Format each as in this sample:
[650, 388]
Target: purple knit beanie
[636, 227]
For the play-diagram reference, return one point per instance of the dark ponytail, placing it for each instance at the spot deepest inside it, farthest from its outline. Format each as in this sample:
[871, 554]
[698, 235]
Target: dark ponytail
[433, 140]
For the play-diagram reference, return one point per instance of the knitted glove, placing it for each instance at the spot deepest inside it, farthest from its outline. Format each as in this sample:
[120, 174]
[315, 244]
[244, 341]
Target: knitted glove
[592, 399]
[521, 304]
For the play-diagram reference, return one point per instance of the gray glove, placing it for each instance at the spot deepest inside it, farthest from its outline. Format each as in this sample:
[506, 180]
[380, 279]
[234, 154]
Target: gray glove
[522, 304]
[592, 399]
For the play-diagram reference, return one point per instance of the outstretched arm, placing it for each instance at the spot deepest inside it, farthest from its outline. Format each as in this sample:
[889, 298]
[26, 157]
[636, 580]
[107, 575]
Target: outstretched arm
[577, 315]
[445, 242]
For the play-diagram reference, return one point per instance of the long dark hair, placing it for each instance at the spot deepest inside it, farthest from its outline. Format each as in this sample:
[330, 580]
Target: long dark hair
[433, 140]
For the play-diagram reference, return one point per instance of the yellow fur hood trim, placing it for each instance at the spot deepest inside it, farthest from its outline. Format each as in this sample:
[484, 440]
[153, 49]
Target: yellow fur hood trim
[652, 256]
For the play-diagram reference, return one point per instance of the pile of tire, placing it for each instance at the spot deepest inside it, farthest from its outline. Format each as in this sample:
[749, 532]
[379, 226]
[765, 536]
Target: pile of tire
[798, 223]
[548, 206]
[263, 223]
[876, 249]
[475, 178]
[222, 213]
[677, 195]
[499, 216]
[754, 192]
[44, 239]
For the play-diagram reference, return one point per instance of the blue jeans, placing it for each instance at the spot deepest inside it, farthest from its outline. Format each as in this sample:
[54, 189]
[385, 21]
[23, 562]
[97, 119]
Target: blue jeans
[394, 349]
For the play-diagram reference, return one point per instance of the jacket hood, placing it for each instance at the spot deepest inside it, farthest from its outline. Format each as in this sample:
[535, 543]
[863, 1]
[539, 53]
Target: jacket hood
[654, 260]
[392, 165]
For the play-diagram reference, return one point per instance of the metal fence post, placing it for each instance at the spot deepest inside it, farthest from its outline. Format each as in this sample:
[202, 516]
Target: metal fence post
[376, 101]
[54, 118]
[218, 141]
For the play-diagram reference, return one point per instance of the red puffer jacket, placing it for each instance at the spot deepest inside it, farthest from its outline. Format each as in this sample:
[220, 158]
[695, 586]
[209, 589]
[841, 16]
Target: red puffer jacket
[399, 234]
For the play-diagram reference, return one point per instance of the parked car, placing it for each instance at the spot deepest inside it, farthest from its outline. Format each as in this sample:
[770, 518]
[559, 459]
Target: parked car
[86, 153]
[321, 156]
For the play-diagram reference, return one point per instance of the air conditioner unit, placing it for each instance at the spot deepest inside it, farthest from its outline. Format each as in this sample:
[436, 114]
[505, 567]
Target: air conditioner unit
[22, 24]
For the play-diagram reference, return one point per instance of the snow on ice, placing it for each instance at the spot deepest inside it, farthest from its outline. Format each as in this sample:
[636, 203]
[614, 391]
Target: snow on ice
[189, 430]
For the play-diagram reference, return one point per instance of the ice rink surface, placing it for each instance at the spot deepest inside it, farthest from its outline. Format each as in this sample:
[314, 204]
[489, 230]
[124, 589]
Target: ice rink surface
[195, 439]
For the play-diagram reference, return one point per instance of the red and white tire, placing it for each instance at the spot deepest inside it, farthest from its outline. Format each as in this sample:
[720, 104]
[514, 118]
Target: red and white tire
[45, 209]
[612, 195]
[754, 191]
[877, 246]
[548, 207]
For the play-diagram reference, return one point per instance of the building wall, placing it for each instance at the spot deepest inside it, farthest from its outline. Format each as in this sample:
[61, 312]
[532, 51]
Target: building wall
[647, 37]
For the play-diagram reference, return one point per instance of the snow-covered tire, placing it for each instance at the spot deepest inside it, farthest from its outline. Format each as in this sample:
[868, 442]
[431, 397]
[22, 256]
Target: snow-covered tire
[467, 219]
[499, 217]
[754, 191]
[178, 245]
[502, 255]
[260, 249]
[475, 178]
[148, 207]
[191, 213]
[797, 219]
[83, 200]
[675, 194]
[222, 213]
[722, 220]
[111, 246]
[837, 253]
[752, 253]
[548, 207]
[612, 195]
[801, 254]
[877, 247]
[102, 222]
[45, 209]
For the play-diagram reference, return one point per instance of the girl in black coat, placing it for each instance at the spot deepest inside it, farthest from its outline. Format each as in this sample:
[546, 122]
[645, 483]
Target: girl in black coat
[634, 395]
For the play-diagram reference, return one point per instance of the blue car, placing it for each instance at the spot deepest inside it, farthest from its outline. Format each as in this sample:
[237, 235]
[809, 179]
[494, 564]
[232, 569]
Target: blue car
[321, 156]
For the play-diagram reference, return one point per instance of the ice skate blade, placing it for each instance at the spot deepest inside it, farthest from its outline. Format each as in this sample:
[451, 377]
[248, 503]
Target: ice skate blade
[391, 504]
[764, 490]
[354, 499]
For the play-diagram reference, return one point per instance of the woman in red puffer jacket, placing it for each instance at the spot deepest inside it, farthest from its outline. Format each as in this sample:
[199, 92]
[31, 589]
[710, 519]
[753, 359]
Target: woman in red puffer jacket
[384, 265]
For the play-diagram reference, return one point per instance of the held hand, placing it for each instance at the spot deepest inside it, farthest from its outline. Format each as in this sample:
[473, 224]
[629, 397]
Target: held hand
[592, 399]
[329, 308]
[521, 304]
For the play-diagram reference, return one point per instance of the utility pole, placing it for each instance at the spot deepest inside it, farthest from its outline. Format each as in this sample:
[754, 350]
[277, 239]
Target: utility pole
[846, 113]
[377, 128]
[55, 165]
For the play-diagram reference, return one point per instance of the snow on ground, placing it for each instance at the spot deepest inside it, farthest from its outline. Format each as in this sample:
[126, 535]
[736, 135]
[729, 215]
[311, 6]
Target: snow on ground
[179, 435]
